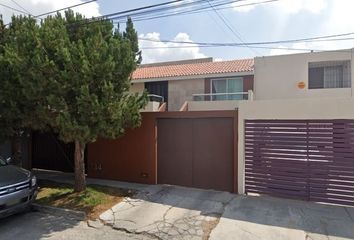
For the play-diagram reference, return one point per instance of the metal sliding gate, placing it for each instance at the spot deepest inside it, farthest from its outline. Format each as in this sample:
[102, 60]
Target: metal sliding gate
[303, 159]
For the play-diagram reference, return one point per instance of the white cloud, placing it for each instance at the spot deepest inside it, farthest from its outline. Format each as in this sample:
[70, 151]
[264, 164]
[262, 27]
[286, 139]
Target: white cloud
[161, 51]
[283, 6]
[326, 17]
[341, 16]
[37, 7]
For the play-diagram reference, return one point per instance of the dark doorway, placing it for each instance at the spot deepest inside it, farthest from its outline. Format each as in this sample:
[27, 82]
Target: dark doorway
[48, 152]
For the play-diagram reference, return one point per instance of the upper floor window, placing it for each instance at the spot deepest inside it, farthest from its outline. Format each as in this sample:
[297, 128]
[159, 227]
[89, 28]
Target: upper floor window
[330, 74]
[227, 89]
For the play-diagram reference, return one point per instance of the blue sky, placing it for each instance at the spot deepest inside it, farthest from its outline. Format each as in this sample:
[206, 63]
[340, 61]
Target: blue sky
[284, 19]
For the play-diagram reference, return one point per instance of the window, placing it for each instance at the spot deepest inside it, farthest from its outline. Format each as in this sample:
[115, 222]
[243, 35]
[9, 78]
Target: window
[224, 88]
[332, 74]
[157, 89]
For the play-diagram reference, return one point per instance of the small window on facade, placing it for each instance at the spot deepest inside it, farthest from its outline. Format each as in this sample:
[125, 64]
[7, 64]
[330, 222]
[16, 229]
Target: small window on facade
[331, 74]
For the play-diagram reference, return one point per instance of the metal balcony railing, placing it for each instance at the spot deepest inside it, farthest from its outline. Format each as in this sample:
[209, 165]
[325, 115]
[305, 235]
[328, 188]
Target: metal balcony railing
[223, 96]
[156, 98]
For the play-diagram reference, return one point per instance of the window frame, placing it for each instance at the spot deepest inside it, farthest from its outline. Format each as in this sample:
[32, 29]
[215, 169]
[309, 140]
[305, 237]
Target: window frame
[224, 79]
[346, 78]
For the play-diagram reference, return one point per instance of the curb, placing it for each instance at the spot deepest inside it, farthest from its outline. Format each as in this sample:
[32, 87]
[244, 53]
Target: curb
[77, 215]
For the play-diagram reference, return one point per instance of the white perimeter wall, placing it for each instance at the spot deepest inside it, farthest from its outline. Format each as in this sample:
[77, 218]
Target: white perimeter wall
[325, 108]
[276, 77]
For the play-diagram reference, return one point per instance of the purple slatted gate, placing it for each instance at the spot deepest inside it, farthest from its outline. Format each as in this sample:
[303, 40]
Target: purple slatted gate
[303, 159]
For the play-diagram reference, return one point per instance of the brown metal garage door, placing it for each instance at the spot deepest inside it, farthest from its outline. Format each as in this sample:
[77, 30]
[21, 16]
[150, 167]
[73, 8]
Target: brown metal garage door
[196, 152]
[303, 159]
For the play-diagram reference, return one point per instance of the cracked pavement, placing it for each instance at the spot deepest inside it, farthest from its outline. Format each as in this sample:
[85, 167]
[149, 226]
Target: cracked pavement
[169, 212]
[40, 225]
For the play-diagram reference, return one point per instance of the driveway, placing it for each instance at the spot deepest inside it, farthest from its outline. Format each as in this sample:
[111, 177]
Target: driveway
[254, 218]
[51, 225]
[169, 212]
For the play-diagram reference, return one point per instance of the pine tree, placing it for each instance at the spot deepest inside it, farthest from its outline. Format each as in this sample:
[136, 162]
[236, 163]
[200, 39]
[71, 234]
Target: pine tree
[95, 70]
[69, 76]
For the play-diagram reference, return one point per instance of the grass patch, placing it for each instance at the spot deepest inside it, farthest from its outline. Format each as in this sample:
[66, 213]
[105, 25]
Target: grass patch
[94, 201]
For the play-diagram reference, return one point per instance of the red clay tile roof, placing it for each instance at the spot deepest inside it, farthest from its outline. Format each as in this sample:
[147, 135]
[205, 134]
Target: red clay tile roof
[234, 66]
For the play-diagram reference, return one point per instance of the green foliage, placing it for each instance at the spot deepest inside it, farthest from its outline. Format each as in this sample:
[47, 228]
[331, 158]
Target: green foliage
[23, 77]
[69, 76]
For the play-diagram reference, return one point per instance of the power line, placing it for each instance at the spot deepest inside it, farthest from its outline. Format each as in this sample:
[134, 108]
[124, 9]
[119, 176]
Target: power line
[225, 21]
[148, 14]
[58, 10]
[142, 8]
[13, 9]
[215, 46]
[257, 47]
[182, 12]
[310, 39]
[126, 12]
[54, 11]
[193, 11]
[18, 5]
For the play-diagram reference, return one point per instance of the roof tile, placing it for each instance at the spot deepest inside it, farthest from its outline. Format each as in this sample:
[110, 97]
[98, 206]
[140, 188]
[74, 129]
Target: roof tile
[244, 65]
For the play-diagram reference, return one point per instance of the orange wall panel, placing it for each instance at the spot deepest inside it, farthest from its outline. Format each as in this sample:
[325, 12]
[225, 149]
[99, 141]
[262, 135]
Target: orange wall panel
[131, 158]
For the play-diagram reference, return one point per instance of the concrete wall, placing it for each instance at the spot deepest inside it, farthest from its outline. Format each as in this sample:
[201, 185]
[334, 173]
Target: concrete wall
[276, 77]
[321, 108]
[137, 87]
[180, 91]
[130, 158]
[151, 107]
[213, 105]
[133, 157]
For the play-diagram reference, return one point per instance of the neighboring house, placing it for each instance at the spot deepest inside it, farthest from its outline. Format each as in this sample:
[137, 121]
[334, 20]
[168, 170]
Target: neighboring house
[306, 75]
[296, 139]
[199, 84]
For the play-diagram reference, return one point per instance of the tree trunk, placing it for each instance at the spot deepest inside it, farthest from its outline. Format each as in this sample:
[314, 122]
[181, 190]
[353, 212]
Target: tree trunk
[80, 180]
[16, 149]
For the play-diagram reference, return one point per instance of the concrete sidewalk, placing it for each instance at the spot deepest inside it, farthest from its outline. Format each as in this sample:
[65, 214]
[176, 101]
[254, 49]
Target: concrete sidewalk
[171, 212]
[253, 217]
[69, 178]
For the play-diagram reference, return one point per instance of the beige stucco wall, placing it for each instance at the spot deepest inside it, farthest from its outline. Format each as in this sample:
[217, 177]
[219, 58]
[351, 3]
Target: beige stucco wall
[316, 108]
[151, 107]
[212, 105]
[137, 87]
[276, 77]
[180, 91]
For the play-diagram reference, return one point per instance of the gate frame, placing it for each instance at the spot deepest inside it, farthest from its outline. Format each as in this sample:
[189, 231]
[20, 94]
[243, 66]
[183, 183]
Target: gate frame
[287, 109]
[120, 160]
[205, 114]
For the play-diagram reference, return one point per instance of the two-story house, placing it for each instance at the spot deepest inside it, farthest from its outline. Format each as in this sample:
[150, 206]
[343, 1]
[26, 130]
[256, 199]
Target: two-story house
[304, 76]
[199, 84]
[296, 138]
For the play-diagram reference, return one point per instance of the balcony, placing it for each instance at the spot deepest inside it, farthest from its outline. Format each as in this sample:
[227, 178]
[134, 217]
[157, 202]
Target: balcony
[156, 104]
[218, 101]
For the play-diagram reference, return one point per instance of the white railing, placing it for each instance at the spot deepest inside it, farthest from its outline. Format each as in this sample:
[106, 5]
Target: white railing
[152, 96]
[223, 96]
